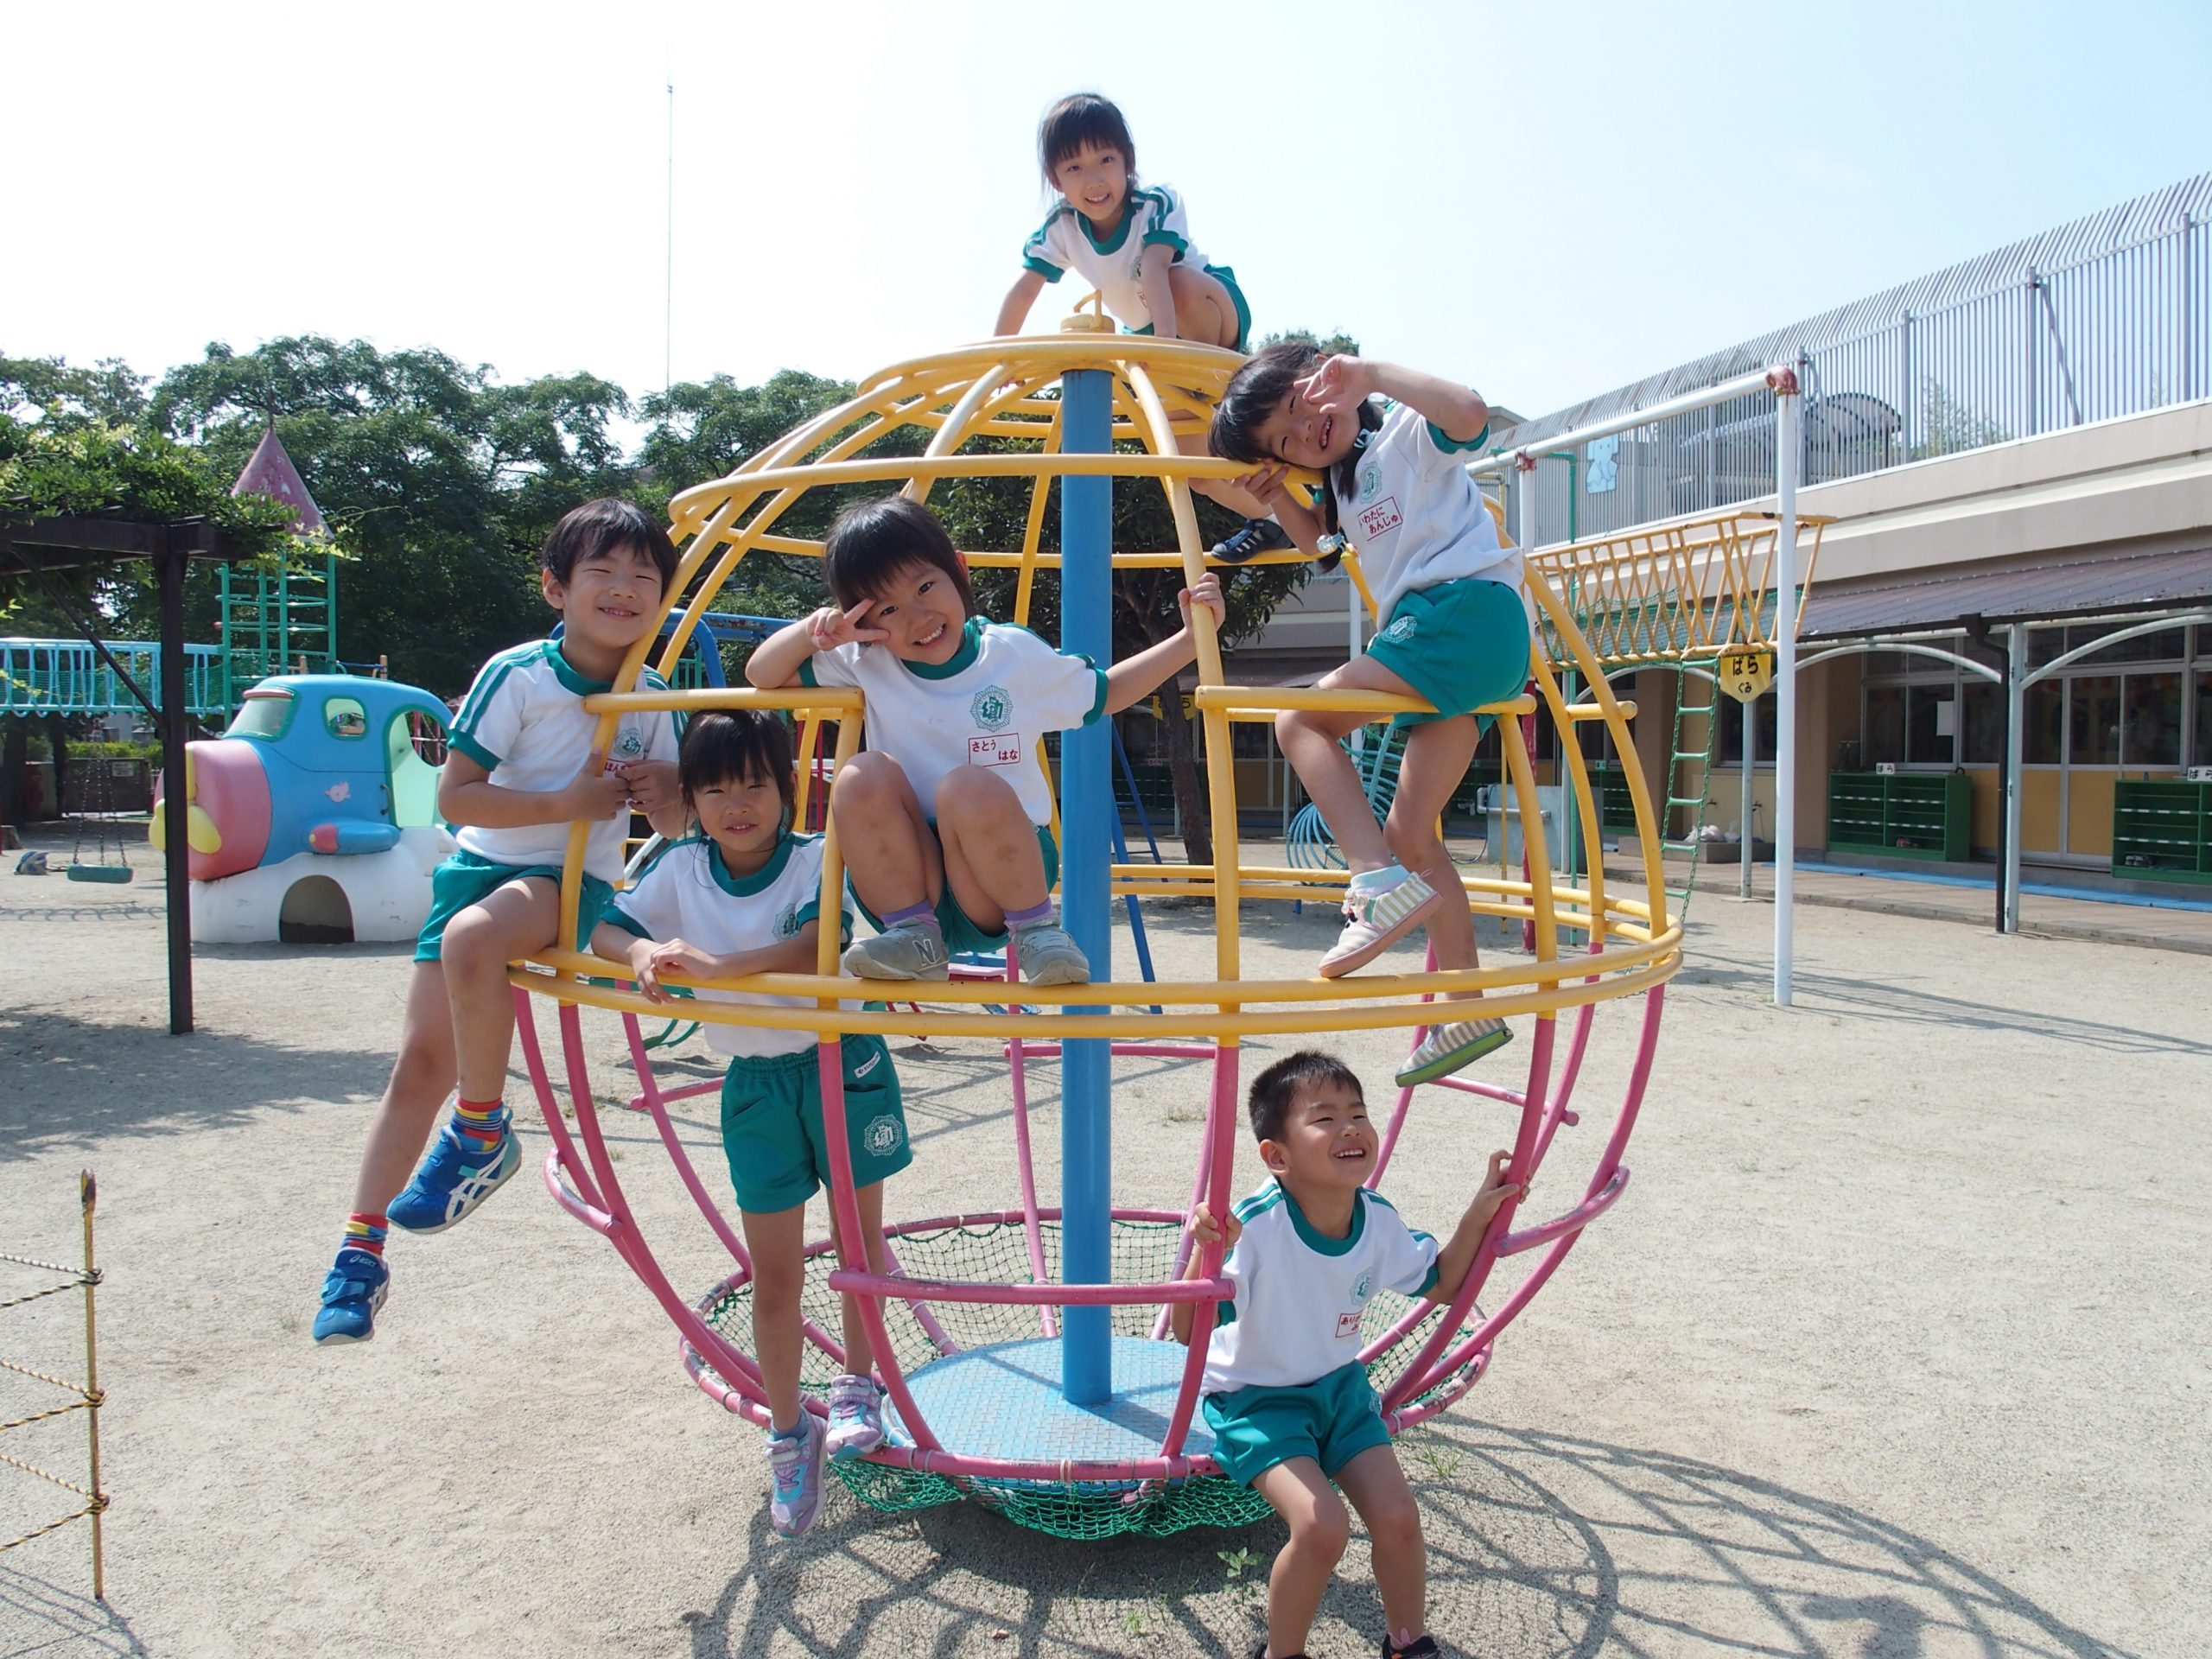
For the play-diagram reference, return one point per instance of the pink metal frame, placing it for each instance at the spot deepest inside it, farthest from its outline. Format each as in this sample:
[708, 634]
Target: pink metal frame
[579, 1173]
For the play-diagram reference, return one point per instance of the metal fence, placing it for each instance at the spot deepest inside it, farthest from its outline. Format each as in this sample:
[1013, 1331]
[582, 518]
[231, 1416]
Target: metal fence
[2118, 331]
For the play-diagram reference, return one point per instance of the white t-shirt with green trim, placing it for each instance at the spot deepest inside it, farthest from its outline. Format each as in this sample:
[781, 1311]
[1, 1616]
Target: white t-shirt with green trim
[1151, 215]
[1300, 1296]
[689, 894]
[1416, 516]
[523, 722]
[990, 704]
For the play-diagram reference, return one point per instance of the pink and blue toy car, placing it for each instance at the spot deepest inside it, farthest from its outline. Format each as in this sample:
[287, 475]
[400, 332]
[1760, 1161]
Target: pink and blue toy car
[315, 818]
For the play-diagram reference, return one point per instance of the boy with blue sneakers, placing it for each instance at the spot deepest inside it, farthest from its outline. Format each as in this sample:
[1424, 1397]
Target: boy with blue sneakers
[520, 770]
[1288, 1402]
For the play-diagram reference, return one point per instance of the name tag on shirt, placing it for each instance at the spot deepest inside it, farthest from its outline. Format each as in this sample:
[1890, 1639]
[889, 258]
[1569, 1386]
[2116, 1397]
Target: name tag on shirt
[1381, 518]
[998, 749]
[1347, 1327]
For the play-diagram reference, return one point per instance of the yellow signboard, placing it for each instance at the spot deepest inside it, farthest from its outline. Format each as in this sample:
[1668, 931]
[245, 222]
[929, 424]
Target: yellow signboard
[1746, 671]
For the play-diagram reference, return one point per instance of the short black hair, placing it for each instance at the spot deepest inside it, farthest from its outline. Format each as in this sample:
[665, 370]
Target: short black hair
[872, 541]
[1275, 1090]
[597, 527]
[1082, 119]
[725, 747]
[1255, 392]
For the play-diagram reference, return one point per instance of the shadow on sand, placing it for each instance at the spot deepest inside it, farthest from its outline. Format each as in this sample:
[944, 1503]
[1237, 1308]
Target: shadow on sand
[1540, 1545]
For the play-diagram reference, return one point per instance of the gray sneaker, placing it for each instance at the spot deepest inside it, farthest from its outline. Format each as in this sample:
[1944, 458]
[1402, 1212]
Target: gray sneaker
[905, 952]
[1049, 957]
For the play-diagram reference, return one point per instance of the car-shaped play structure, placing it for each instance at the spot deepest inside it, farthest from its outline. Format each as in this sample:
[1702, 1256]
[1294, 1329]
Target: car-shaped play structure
[315, 817]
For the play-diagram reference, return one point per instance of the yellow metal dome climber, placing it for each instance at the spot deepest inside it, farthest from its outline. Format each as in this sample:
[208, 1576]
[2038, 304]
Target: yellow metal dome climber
[1023, 1346]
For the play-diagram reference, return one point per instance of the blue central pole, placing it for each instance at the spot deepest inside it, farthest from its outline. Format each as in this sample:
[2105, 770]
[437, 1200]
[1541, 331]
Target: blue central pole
[1086, 808]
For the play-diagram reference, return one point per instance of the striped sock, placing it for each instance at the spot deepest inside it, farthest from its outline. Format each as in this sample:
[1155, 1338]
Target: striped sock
[921, 915]
[1030, 918]
[483, 1122]
[365, 1232]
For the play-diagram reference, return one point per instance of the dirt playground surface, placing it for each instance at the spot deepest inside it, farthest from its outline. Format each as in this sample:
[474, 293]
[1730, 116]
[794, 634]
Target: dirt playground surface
[1895, 1345]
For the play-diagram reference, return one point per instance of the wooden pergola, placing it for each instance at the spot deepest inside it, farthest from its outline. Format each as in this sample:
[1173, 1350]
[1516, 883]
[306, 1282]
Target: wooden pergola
[44, 546]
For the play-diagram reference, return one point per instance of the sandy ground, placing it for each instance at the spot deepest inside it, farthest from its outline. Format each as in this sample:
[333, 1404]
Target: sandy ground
[1894, 1347]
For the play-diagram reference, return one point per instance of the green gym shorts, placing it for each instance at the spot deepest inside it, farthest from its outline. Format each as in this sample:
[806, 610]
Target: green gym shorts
[1459, 644]
[962, 936]
[1332, 1421]
[464, 879]
[773, 1132]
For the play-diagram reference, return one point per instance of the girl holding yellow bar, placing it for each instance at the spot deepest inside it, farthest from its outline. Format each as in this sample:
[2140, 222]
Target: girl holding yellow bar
[1455, 633]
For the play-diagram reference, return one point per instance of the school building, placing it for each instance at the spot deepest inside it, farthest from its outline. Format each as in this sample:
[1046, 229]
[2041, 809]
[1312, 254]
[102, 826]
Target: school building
[2015, 456]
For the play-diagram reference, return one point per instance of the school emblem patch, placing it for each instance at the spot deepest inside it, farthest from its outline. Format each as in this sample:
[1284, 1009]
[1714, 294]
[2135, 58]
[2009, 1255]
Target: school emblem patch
[881, 1136]
[1402, 630]
[1362, 1287]
[629, 744]
[1369, 481]
[991, 708]
[787, 921]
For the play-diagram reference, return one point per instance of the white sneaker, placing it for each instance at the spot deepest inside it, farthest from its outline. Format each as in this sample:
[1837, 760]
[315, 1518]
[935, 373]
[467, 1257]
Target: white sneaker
[1376, 918]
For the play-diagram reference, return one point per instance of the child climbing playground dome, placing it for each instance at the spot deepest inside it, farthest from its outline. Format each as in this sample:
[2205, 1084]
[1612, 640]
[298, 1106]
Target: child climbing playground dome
[1024, 1344]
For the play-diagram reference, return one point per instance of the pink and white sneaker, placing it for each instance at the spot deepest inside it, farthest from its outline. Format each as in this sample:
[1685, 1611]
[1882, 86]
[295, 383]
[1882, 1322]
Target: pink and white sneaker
[1377, 918]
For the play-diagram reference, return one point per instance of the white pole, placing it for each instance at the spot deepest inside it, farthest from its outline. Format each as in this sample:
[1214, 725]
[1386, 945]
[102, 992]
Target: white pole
[1743, 828]
[2016, 708]
[1786, 413]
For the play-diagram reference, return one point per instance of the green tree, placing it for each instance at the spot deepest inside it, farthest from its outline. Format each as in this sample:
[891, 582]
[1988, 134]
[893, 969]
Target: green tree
[443, 483]
[46, 392]
[701, 430]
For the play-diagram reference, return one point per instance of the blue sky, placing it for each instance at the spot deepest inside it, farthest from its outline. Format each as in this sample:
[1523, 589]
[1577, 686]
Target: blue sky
[1545, 202]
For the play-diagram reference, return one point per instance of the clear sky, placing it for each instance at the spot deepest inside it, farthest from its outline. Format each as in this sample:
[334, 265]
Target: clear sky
[1544, 200]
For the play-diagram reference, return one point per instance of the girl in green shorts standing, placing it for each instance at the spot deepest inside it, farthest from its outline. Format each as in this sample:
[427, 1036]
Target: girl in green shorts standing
[743, 896]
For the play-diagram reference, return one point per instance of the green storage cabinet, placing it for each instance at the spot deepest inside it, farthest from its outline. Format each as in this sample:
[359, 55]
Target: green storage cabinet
[2162, 829]
[1902, 815]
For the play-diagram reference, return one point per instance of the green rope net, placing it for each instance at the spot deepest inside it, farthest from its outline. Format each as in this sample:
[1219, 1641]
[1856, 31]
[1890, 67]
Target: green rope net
[994, 1252]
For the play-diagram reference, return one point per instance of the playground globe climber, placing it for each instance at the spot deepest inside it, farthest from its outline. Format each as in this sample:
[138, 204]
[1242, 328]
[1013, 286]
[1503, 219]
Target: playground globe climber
[1024, 1345]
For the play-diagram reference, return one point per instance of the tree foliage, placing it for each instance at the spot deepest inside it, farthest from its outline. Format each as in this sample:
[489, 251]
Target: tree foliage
[440, 484]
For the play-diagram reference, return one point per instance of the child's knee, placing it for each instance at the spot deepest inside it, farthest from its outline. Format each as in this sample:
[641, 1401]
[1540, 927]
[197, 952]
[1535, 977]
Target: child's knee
[776, 1289]
[471, 941]
[1324, 1532]
[1292, 723]
[866, 781]
[971, 791]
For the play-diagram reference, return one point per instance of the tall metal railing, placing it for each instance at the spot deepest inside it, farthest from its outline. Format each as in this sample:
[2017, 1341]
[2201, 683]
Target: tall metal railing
[2119, 331]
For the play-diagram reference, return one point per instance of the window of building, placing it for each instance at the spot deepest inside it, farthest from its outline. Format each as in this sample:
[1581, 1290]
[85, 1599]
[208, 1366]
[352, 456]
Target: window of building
[1982, 715]
[1884, 725]
[2093, 720]
[2150, 720]
[2043, 742]
[1728, 750]
[2167, 645]
[2201, 754]
[1931, 725]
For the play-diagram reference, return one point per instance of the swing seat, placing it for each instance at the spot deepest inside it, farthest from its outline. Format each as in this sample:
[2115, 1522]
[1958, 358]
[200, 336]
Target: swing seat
[99, 872]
